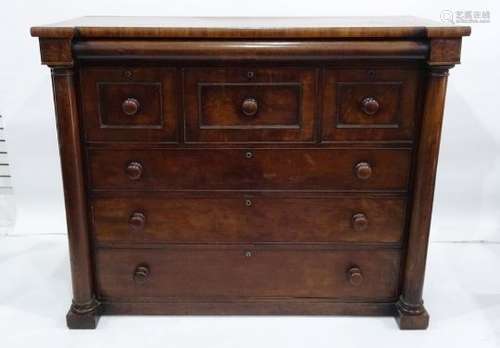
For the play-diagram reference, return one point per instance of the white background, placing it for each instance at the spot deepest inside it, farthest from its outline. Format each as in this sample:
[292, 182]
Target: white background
[467, 204]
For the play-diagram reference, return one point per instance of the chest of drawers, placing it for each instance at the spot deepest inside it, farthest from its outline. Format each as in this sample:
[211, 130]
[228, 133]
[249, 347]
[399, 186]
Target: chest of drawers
[249, 166]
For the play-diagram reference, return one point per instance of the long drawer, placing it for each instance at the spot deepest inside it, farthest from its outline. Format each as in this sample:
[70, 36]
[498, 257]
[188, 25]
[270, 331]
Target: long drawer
[255, 169]
[225, 272]
[248, 219]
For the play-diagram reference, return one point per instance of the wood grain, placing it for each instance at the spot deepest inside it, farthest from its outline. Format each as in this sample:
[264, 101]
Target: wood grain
[251, 169]
[249, 165]
[250, 27]
[285, 97]
[245, 272]
[248, 218]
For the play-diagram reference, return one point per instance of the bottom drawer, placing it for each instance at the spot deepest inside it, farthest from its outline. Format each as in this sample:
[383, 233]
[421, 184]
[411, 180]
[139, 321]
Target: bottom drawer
[252, 272]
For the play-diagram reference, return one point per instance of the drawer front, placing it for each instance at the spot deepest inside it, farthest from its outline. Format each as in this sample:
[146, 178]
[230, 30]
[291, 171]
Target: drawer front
[369, 104]
[248, 219]
[249, 105]
[256, 169]
[129, 104]
[218, 272]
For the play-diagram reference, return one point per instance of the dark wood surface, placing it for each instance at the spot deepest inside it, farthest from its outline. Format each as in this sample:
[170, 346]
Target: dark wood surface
[242, 50]
[284, 100]
[248, 218]
[391, 93]
[104, 90]
[83, 310]
[292, 169]
[249, 166]
[250, 27]
[246, 272]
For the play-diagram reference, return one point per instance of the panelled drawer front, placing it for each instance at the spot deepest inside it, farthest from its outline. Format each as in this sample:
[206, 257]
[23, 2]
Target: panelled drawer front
[248, 219]
[256, 169]
[369, 104]
[211, 272]
[238, 105]
[129, 104]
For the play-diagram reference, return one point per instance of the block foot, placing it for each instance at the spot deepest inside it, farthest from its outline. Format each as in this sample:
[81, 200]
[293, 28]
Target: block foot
[83, 316]
[411, 317]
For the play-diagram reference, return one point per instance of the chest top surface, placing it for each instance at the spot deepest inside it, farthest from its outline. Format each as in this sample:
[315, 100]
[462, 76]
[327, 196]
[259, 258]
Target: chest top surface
[250, 27]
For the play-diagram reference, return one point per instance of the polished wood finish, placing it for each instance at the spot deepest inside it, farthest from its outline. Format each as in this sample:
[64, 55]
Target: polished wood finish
[129, 104]
[249, 165]
[85, 307]
[250, 218]
[355, 276]
[246, 272]
[240, 105]
[267, 306]
[370, 104]
[136, 222]
[250, 27]
[317, 169]
[412, 314]
[249, 51]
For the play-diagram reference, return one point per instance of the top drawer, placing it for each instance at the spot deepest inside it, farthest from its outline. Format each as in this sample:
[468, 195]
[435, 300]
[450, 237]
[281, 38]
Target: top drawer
[128, 104]
[238, 105]
[369, 104]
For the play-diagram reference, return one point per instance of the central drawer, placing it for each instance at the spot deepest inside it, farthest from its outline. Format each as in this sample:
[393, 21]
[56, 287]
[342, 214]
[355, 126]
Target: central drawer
[339, 169]
[239, 272]
[242, 105]
[248, 219]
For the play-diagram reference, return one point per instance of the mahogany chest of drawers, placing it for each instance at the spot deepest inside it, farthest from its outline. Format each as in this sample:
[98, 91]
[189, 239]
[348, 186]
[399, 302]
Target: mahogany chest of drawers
[249, 166]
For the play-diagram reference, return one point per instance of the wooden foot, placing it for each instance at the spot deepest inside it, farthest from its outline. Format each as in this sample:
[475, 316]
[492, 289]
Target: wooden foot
[411, 317]
[83, 317]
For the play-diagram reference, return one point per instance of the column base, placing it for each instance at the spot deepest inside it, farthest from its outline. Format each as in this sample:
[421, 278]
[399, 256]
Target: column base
[410, 316]
[83, 316]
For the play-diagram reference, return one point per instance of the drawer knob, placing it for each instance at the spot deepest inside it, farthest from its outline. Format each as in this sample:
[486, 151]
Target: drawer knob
[134, 170]
[354, 276]
[130, 106]
[249, 107]
[137, 221]
[359, 222]
[370, 106]
[363, 170]
[141, 274]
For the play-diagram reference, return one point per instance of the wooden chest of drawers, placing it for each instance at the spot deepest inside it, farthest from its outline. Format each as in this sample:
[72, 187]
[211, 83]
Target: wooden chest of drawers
[249, 166]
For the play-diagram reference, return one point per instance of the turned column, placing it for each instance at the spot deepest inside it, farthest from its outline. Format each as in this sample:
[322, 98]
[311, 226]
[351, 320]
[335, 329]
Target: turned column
[57, 54]
[411, 312]
[83, 311]
[443, 55]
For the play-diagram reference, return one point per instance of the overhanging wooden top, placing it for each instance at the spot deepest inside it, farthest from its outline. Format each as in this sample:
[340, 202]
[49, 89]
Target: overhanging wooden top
[249, 28]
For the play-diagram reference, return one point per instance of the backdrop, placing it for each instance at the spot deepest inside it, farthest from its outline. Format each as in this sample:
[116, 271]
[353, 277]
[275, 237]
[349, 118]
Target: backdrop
[467, 199]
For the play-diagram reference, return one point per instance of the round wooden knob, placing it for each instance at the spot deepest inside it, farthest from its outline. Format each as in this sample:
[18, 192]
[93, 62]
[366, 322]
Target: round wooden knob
[359, 222]
[249, 107]
[141, 274]
[370, 105]
[130, 106]
[354, 276]
[363, 170]
[134, 170]
[137, 221]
